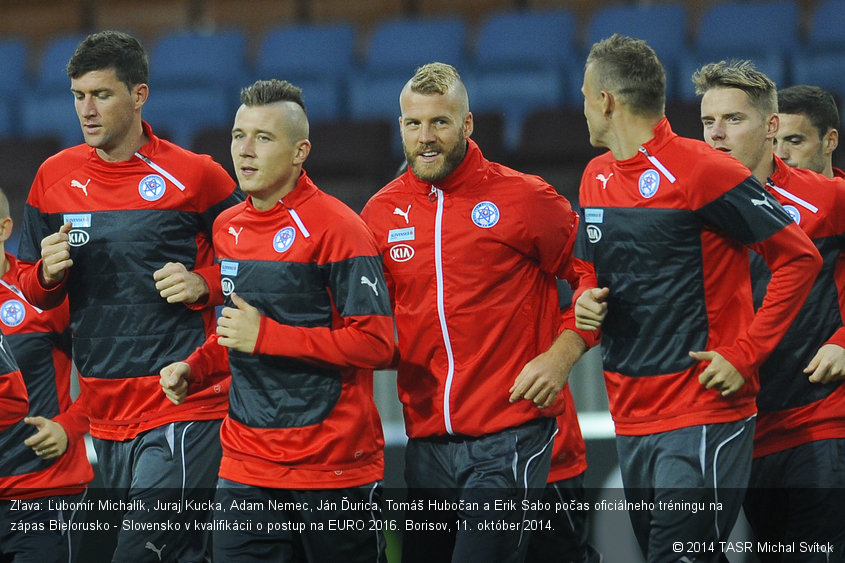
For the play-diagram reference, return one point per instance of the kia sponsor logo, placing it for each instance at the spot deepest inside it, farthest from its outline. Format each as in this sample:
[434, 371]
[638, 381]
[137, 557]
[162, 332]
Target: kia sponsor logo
[401, 252]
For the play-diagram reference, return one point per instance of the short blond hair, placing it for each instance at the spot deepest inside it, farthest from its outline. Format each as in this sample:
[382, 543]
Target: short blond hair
[438, 78]
[742, 75]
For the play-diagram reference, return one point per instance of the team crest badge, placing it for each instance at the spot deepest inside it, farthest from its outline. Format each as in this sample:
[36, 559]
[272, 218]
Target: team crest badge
[649, 182]
[284, 239]
[793, 212]
[485, 214]
[152, 187]
[12, 313]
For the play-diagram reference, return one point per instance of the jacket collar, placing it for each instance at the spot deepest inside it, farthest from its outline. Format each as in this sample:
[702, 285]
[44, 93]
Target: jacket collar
[304, 190]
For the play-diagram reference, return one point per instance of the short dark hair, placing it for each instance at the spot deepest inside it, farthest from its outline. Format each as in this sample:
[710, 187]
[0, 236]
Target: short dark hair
[111, 49]
[629, 68]
[817, 104]
[263, 92]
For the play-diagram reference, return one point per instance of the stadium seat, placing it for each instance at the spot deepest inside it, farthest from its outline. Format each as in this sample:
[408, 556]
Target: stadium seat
[515, 93]
[191, 59]
[440, 39]
[744, 30]
[317, 58]
[51, 114]
[523, 61]
[182, 112]
[827, 27]
[51, 75]
[823, 69]
[663, 26]
[14, 54]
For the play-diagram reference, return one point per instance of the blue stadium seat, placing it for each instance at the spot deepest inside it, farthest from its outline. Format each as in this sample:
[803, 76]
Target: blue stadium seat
[306, 50]
[438, 39]
[15, 84]
[182, 112]
[827, 27]
[51, 114]
[821, 61]
[14, 54]
[514, 94]
[527, 39]
[317, 58]
[524, 60]
[744, 30]
[51, 75]
[663, 26]
[823, 69]
[190, 59]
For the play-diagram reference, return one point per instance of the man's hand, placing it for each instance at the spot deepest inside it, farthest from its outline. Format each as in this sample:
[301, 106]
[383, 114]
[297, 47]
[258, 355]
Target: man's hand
[238, 328]
[543, 377]
[55, 256]
[174, 381]
[720, 374]
[591, 308]
[50, 441]
[176, 284]
[827, 365]
[539, 381]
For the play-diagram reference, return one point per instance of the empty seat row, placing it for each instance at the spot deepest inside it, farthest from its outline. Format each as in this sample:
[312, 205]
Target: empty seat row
[515, 62]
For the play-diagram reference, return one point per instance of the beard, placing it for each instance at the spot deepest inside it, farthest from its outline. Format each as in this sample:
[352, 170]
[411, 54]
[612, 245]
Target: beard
[451, 159]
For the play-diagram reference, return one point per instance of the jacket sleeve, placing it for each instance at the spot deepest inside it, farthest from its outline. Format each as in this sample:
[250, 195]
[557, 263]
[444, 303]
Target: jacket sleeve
[795, 263]
[14, 401]
[790, 254]
[75, 419]
[209, 359]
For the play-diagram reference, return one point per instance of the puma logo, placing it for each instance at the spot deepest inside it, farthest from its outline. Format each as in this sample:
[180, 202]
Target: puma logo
[81, 186]
[762, 203]
[404, 214]
[235, 233]
[601, 178]
[366, 281]
[152, 547]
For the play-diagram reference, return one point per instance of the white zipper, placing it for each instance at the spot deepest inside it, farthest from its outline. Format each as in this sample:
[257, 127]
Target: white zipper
[161, 171]
[441, 307]
[658, 165]
[793, 197]
[298, 222]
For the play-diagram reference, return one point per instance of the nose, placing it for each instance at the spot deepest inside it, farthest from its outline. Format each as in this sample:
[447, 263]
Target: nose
[244, 146]
[426, 134]
[87, 107]
[781, 151]
[717, 130]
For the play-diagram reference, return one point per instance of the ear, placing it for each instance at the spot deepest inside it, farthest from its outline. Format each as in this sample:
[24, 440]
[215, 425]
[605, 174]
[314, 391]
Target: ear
[772, 126]
[303, 149]
[468, 124]
[608, 103]
[830, 141]
[140, 93]
[5, 229]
